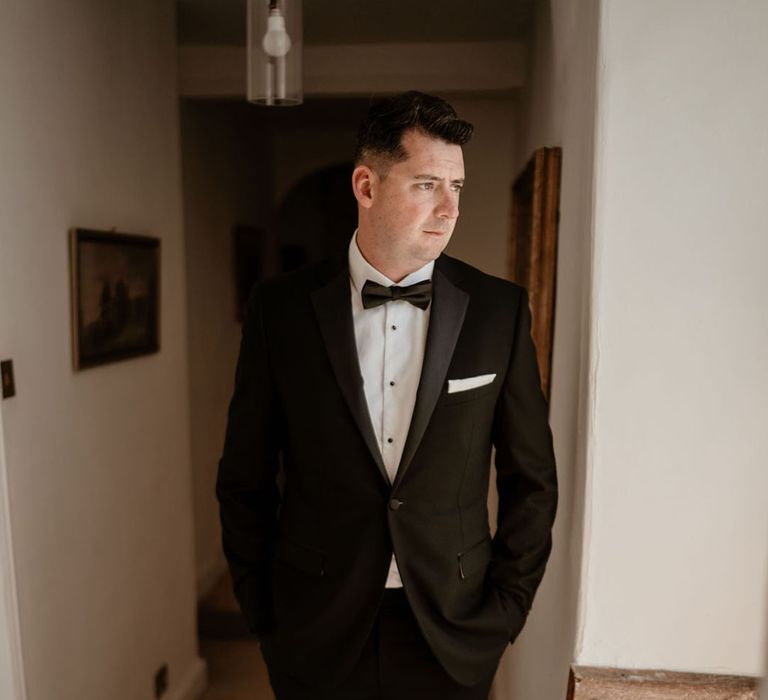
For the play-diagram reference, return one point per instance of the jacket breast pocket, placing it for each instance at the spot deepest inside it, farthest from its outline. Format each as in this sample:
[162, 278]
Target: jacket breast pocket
[475, 558]
[468, 394]
[310, 561]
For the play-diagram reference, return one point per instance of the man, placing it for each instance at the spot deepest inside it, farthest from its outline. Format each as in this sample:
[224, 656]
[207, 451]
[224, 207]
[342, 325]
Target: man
[381, 378]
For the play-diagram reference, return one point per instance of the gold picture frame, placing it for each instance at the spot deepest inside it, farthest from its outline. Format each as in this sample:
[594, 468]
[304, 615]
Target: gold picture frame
[533, 247]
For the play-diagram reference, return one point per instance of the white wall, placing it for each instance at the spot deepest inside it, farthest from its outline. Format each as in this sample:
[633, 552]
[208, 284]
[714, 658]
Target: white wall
[360, 69]
[676, 561]
[98, 461]
[558, 109]
[223, 186]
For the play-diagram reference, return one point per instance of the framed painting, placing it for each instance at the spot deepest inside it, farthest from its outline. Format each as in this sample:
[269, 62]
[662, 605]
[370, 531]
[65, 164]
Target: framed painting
[115, 287]
[533, 247]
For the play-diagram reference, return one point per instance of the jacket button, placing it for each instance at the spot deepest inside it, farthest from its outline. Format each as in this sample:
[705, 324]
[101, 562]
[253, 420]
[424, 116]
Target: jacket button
[395, 503]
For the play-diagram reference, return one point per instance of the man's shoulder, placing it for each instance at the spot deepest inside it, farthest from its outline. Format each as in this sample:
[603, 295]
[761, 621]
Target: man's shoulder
[473, 279]
[303, 279]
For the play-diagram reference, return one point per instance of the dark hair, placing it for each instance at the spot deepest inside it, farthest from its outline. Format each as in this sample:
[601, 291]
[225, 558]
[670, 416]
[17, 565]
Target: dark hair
[381, 131]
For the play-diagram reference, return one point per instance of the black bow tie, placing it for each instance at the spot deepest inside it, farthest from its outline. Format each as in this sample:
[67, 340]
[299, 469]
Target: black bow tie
[418, 294]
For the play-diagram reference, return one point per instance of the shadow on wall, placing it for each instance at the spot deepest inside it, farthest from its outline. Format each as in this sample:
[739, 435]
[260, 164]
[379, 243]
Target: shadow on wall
[317, 216]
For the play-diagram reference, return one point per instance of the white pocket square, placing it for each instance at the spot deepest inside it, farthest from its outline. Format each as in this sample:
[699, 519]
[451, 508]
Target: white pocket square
[455, 385]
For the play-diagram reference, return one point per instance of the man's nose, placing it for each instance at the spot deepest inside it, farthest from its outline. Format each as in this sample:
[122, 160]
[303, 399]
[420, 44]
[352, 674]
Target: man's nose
[448, 206]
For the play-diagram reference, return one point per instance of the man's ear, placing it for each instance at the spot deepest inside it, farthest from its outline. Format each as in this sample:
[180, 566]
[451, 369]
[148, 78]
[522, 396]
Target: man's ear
[363, 181]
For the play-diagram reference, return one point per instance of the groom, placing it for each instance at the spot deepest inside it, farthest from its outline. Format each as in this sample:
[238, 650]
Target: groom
[377, 383]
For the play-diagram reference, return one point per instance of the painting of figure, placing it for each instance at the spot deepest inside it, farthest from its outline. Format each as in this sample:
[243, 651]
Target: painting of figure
[115, 296]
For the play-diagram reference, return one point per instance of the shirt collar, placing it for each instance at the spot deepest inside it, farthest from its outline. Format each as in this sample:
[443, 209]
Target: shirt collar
[361, 270]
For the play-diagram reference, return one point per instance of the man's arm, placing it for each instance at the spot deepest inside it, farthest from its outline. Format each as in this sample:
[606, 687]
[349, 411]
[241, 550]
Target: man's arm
[526, 478]
[246, 484]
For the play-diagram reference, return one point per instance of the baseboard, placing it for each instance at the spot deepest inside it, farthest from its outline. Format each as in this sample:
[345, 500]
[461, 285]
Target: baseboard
[597, 683]
[193, 684]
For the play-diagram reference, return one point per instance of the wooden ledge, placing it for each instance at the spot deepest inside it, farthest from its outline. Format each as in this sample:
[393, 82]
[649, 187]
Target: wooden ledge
[596, 683]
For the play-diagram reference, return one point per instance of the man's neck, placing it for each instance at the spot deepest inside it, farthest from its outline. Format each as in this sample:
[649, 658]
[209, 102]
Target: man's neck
[389, 268]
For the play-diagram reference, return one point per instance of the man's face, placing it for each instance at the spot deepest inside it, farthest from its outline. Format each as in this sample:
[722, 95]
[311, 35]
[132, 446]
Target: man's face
[415, 206]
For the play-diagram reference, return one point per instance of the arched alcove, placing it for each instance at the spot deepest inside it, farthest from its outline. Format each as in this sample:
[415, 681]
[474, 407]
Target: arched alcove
[317, 216]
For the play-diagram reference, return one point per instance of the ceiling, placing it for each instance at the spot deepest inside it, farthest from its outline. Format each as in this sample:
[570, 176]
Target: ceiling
[222, 22]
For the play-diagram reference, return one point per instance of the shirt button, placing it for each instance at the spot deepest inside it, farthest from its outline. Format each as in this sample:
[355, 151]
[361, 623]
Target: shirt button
[392, 383]
[394, 328]
[390, 440]
[395, 503]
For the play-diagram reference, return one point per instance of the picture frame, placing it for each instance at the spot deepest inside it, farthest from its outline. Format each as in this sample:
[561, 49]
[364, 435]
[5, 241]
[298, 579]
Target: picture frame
[115, 296]
[532, 259]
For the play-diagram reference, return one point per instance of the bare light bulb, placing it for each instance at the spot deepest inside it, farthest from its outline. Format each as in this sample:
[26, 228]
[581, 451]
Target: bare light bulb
[276, 42]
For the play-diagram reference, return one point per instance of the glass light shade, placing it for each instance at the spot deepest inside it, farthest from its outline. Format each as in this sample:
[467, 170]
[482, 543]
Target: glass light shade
[274, 52]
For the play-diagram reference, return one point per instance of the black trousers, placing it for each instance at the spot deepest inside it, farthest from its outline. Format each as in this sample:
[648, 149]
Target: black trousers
[396, 664]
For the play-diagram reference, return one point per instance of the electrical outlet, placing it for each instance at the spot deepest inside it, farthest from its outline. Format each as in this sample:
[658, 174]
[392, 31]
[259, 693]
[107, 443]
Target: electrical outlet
[161, 681]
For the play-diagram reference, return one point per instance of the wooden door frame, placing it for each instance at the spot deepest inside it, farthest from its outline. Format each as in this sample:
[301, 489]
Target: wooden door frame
[12, 685]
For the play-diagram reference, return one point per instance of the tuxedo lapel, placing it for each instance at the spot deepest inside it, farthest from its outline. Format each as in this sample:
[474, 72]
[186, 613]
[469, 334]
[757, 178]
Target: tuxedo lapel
[333, 308]
[449, 305]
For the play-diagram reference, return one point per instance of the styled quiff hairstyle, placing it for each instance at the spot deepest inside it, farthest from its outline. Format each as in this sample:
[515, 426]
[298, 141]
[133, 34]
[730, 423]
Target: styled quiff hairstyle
[379, 138]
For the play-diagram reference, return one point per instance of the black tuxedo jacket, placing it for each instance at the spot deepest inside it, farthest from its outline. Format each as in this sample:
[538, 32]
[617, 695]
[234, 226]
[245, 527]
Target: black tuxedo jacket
[309, 556]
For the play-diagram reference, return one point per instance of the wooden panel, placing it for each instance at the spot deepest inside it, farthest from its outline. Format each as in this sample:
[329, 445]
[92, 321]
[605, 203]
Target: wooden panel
[593, 683]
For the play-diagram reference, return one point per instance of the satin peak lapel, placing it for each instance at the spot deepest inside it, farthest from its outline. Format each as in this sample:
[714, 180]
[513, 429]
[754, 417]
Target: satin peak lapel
[333, 308]
[449, 306]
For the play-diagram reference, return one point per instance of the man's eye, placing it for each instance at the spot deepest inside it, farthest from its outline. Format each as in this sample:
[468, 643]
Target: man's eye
[426, 185]
[456, 188]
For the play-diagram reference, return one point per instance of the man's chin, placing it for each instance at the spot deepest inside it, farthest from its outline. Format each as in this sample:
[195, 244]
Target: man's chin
[433, 252]
[427, 256]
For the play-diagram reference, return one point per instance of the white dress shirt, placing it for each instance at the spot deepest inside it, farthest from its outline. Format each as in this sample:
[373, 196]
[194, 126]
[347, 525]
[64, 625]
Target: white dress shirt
[390, 347]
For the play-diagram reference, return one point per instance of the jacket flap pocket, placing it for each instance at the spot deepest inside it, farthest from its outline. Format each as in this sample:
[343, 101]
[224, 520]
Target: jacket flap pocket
[475, 558]
[306, 559]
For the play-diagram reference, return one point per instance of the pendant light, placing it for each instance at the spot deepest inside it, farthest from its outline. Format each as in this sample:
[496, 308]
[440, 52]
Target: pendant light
[274, 52]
